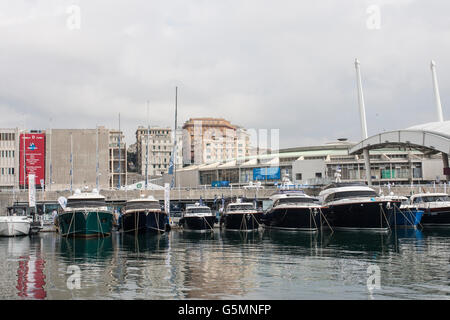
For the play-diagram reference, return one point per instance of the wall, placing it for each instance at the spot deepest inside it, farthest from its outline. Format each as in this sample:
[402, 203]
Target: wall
[432, 168]
[84, 158]
[308, 169]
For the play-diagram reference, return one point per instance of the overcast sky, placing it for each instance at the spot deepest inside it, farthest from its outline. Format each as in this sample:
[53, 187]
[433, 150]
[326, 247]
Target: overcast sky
[286, 65]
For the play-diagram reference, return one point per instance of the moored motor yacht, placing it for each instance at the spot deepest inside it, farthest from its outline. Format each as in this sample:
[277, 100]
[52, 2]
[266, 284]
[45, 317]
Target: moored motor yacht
[241, 216]
[11, 226]
[293, 211]
[86, 215]
[355, 206]
[143, 215]
[435, 207]
[198, 218]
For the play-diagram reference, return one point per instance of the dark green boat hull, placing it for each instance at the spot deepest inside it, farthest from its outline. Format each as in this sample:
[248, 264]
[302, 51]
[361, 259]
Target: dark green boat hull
[88, 223]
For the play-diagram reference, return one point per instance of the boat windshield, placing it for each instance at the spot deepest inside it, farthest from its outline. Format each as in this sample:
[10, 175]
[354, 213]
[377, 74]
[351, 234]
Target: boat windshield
[293, 200]
[440, 198]
[143, 205]
[241, 207]
[351, 194]
[85, 203]
[198, 210]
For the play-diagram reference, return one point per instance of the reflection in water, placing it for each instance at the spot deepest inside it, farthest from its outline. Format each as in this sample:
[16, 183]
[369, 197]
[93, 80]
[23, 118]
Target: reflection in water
[143, 242]
[258, 265]
[79, 249]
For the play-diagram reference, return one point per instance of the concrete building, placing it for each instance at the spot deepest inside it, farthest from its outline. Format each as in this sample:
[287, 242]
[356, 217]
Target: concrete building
[317, 165]
[9, 158]
[213, 139]
[83, 145]
[156, 143]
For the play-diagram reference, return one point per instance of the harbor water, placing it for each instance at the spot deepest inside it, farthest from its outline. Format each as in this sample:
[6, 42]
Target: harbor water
[412, 264]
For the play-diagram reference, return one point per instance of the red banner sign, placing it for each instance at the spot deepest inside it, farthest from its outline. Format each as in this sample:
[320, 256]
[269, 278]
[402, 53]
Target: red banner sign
[32, 150]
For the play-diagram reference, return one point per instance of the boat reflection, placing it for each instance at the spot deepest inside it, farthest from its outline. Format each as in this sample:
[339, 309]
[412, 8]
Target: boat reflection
[196, 236]
[139, 243]
[237, 238]
[86, 249]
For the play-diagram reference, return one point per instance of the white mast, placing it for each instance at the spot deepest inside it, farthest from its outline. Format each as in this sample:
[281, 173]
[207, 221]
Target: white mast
[362, 113]
[146, 151]
[71, 162]
[120, 158]
[50, 155]
[175, 140]
[436, 91]
[439, 111]
[96, 160]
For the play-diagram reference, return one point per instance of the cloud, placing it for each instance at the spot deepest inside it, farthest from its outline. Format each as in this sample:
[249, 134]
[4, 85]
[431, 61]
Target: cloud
[258, 63]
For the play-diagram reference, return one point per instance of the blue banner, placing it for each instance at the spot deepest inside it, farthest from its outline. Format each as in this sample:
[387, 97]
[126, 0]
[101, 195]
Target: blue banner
[271, 173]
[220, 184]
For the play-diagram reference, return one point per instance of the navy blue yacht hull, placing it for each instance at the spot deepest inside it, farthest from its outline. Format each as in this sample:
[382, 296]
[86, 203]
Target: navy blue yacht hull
[359, 216]
[242, 221]
[198, 223]
[293, 219]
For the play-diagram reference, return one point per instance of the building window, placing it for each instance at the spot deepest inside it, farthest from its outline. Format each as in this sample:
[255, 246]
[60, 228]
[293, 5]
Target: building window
[318, 174]
[298, 176]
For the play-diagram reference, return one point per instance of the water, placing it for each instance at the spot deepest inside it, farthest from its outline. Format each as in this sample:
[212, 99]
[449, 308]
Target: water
[262, 265]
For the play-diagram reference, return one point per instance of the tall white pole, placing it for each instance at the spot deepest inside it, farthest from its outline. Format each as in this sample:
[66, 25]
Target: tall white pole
[436, 92]
[71, 162]
[120, 159]
[439, 111]
[96, 160]
[362, 113]
[50, 156]
[146, 151]
[175, 140]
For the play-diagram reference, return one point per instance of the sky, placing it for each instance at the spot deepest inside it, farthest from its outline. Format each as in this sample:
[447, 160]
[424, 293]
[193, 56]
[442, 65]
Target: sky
[286, 65]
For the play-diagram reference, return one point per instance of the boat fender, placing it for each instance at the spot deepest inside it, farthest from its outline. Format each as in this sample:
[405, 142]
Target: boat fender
[388, 205]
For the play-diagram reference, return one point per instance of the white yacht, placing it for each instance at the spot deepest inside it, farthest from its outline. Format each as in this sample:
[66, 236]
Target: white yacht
[11, 226]
[435, 207]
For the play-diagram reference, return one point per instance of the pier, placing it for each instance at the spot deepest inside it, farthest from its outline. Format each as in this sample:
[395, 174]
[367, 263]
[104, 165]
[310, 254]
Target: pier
[189, 195]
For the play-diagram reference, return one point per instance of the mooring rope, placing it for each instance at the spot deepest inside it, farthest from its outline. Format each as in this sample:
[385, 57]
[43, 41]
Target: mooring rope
[100, 224]
[326, 220]
[157, 224]
[212, 229]
[253, 216]
[315, 223]
[404, 215]
[382, 210]
[70, 224]
[242, 222]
